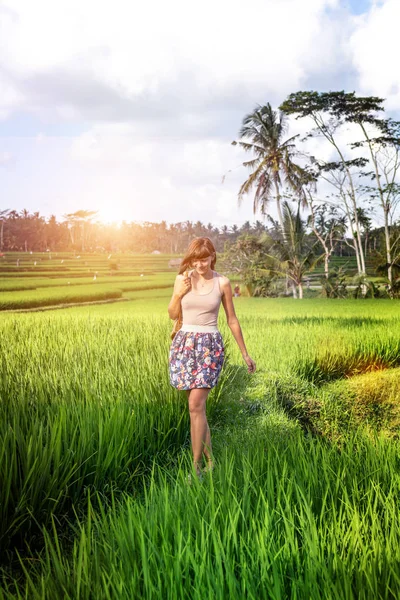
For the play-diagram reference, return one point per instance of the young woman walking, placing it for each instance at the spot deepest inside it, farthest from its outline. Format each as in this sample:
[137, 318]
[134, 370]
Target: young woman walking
[197, 350]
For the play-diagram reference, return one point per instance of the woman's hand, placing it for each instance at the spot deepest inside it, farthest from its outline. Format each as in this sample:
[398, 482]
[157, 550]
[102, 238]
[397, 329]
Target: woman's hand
[184, 285]
[250, 363]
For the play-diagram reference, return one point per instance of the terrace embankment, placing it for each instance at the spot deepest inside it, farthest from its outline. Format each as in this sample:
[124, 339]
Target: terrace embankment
[318, 359]
[369, 402]
[67, 305]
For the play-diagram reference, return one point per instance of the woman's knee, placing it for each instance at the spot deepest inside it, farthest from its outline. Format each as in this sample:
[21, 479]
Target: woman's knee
[196, 407]
[197, 401]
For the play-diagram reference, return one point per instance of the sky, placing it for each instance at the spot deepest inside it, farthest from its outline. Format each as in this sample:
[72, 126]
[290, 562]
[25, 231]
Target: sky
[129, 108]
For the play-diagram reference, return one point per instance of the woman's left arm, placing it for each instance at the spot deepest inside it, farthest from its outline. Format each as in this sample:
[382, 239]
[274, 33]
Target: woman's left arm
[233, 322]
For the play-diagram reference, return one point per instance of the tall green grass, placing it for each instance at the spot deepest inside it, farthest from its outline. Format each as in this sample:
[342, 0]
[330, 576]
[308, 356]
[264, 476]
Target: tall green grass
[288, 518]
[82, 405]
[94, 453]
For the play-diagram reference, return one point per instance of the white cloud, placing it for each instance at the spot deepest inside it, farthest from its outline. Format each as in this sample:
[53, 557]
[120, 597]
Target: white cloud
[10, 98]
[164, 57]
[161, 88]
[6, 158]
[375, 52]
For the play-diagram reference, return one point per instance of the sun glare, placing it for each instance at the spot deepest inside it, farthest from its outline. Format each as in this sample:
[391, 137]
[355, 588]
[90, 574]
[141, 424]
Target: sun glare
[113, 215]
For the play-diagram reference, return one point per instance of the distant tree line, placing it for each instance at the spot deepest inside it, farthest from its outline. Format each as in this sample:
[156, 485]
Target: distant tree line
[24, 231]
[79, 231]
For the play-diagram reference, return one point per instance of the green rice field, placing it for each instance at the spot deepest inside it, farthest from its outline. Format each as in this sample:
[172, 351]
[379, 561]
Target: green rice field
[303, 502]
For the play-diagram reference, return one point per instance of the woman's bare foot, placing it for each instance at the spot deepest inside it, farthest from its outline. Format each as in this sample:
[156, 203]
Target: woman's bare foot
[199, 475]
[209, 467]
[197, 469]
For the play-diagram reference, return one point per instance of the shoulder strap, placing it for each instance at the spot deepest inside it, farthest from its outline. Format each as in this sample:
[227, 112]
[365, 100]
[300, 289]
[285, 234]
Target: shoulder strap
[219, 285]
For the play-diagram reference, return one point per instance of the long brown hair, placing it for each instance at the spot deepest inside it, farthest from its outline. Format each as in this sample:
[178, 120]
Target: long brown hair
[201, 247]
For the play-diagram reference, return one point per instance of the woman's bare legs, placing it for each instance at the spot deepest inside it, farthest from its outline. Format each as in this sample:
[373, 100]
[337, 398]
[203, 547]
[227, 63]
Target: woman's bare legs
[199, 429]
[208, 449]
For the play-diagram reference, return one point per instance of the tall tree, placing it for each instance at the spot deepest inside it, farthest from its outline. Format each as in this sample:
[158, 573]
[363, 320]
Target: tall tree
[54, 233]
[30, 227]
[293, 254]
[234, 232]
[329, 111]
[3, 218]
[365, 223]
[383, 143]
[334, 174]
[248, 257]
[328, 226]
[273, 167]
[80, 219]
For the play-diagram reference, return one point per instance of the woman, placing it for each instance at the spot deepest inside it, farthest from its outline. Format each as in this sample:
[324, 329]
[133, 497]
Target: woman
[197, 351]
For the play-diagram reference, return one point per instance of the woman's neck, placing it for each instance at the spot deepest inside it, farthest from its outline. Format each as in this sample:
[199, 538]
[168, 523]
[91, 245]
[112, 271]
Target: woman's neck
[203, 278]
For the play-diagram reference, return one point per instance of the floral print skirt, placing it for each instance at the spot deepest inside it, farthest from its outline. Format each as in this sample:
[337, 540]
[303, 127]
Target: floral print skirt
[195, 360]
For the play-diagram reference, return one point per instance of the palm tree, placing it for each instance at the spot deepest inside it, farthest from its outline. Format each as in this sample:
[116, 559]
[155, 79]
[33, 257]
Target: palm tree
[79, 218]
[234, 232]
[189, 231]
[198, 228]
[262, 133]
[246, 227]
[224, 235]
[3, 217]
[293, 256]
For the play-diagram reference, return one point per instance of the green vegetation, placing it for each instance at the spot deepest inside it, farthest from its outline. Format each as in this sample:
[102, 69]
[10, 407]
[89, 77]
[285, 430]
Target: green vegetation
[44, 297]
[343, 216]
[14, 284]
[281, 519]
[94, 282]
[67, 264]
[94, 455]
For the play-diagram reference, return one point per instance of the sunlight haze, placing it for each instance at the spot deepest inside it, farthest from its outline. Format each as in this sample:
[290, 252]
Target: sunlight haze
[130, 108]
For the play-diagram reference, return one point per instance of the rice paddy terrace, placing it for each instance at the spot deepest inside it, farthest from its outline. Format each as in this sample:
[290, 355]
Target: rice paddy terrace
[95, 446]
[50, 279]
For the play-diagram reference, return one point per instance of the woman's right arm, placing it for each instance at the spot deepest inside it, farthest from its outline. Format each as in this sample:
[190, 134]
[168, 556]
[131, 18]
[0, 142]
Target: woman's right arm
[181, 287]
